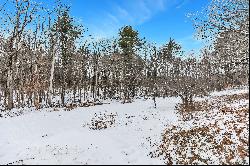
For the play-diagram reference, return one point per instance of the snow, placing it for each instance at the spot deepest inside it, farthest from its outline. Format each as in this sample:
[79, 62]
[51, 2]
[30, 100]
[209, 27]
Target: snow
[230, 91]
[220, 134]
[63, 137]
[57, 136]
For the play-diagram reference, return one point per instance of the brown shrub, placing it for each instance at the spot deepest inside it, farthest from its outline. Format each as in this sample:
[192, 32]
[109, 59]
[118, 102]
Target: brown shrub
[102, 121]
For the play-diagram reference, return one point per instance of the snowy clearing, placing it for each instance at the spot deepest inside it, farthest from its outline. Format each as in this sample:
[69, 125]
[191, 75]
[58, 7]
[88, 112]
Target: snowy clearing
[64, 137]
[56, 136]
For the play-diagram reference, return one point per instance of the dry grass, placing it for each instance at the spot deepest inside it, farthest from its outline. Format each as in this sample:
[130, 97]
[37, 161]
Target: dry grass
[210, 132]
[102, 121]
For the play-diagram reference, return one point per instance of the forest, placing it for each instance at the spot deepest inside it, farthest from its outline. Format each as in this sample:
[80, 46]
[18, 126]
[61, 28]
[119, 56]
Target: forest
[45, 54]
[154, 104]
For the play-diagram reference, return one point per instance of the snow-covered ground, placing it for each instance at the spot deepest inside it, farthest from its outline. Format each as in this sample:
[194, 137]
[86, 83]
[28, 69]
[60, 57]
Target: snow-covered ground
[238, 90]
[215, 132]
[56, 136]
[64, 137]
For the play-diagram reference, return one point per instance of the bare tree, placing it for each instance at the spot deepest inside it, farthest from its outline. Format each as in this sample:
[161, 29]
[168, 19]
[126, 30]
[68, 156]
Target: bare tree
[15, 24]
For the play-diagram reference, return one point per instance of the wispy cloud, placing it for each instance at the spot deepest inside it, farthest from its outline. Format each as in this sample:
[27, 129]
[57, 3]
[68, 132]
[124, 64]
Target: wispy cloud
[190, 44]
[113, 18]
[133, 12]
[182, 3]
[140, 11]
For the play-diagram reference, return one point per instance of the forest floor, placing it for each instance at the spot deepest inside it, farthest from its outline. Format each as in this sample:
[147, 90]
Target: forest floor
[132, 133]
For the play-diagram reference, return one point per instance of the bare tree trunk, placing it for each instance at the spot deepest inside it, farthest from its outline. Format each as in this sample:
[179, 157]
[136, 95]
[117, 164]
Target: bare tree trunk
[10, 88]
[74, 94]
[51, 79]
[96, 84]
[154, 100]
[80, 95]
[84, 93]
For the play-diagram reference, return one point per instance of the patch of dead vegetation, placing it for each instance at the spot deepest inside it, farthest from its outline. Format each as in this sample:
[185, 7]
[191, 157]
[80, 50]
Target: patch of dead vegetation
[102, 121]
[208, 132]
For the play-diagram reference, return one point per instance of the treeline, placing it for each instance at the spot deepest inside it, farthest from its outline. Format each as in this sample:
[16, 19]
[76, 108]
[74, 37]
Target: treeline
[46, 60]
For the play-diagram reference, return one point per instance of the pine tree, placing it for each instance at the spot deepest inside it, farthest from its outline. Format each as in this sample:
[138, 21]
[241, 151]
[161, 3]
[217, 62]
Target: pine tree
[67, 33]
[129, 42]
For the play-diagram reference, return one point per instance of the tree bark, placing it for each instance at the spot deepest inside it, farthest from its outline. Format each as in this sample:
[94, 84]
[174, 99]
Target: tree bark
[51, 78]
[10, 87]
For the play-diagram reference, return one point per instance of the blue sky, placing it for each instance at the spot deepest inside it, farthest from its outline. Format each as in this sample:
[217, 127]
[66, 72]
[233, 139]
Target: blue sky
[157, 20]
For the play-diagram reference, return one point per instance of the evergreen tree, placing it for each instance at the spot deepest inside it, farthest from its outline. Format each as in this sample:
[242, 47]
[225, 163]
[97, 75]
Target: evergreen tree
[68, 34]
[129, 42]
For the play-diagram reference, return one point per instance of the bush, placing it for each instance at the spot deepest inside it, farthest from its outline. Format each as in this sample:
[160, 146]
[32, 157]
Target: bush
[214, 131]
[102, 121]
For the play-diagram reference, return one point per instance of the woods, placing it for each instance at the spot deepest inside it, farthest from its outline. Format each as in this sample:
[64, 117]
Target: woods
[46, 60]
[131, 82]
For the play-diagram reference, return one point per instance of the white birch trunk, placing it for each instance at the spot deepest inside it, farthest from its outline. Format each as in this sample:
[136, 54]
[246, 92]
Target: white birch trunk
[10, 88]
[51, 78]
